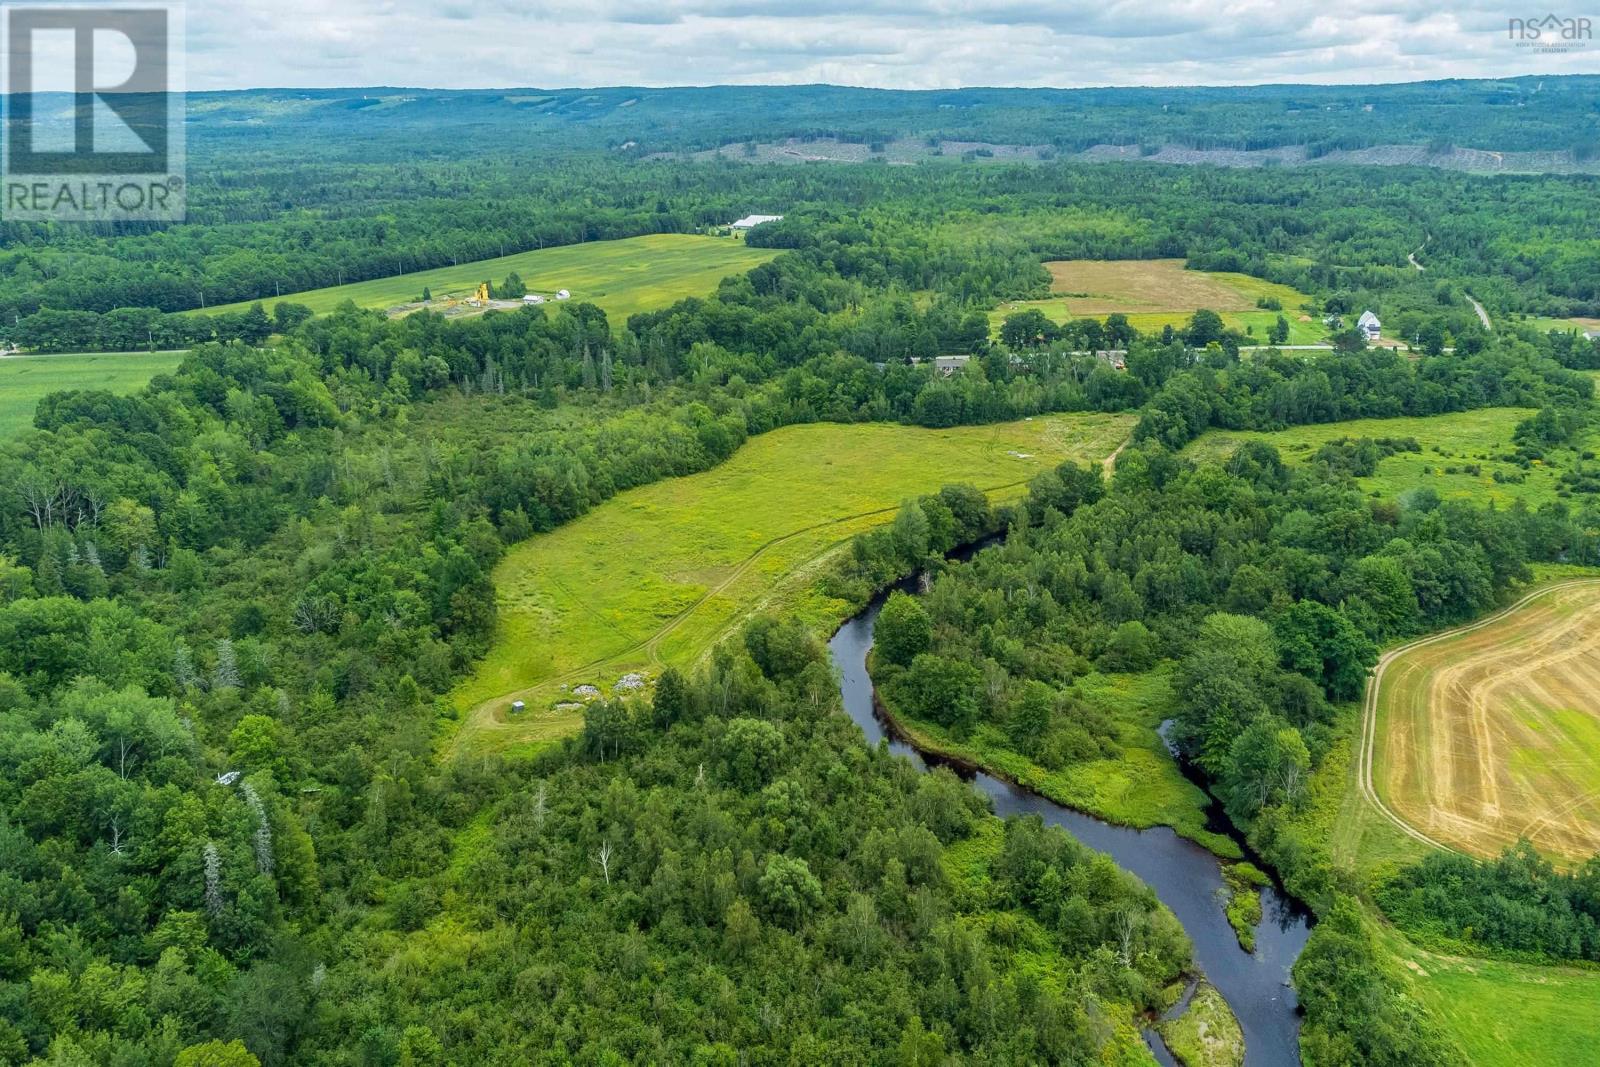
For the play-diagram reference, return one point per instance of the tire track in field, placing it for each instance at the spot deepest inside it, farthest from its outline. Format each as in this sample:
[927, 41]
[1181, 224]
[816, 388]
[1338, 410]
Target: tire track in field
[1369, 719]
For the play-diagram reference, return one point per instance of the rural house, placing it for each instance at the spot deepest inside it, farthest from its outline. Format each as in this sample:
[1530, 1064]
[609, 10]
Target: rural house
[752, 221]
[944, 366]
[1368, 324]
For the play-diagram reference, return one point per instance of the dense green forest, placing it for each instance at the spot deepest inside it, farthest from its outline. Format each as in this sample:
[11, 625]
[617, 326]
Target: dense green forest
[231, 604]
[276, 208]
[1269, 589]
[1506, 114]
[248, 569]
[1516, 243]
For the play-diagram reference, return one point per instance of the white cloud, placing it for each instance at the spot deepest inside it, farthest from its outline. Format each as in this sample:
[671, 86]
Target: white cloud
[882, 43]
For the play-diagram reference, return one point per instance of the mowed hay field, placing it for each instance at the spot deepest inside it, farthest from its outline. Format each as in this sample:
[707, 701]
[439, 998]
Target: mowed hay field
[622, 277]
[1154, 293]
[1491, 733]
[659, 574]
[24, 380]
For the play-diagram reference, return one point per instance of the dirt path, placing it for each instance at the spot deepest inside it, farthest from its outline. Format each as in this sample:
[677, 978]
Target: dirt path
[1411, 257]
[1108, 466]
[1483, 316]
[1369, 721]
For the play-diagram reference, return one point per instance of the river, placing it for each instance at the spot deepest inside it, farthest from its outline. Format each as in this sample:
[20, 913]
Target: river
[1186, 877]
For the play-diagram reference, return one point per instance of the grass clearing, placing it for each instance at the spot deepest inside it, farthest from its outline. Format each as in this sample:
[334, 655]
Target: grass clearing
[1450, 445]
[1492, 733]
[623, 277]
[658, 575]
[1101, 286]
[1154, 293]
[1542, 323]
[24, 380]
[1503, 1014]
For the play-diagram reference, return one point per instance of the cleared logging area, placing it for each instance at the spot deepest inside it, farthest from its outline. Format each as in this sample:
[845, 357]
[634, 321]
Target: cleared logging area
[1492, 732]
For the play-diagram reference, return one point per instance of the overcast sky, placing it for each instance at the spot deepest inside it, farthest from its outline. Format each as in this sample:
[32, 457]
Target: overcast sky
[912, 44]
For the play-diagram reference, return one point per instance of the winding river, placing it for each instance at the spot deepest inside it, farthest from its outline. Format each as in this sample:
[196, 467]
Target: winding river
[1186, 877]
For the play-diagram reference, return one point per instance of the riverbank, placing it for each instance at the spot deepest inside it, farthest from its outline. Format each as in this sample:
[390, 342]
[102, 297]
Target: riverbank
[1141, 788]
[1186, 877]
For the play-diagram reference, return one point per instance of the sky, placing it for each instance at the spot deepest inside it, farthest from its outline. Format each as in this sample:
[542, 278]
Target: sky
[911, 44]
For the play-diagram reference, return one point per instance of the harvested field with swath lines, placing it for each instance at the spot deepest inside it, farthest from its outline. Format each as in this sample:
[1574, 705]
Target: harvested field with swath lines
[1491, 733]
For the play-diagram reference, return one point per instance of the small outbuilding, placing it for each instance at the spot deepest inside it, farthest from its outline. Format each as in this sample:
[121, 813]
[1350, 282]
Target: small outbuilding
[562, 294]
[518, 707]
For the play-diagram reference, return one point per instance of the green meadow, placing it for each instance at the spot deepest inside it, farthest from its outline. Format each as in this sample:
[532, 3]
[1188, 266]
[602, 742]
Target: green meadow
[622, 277]
[25, 379]
[659, 574]
[1504, 1014]
[1451, 445]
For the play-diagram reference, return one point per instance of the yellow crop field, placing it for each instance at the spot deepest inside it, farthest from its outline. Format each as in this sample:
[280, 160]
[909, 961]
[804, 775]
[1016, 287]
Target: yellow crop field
[1486, 734]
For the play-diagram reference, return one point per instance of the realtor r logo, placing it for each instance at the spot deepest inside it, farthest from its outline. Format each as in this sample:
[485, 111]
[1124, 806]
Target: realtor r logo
[93, 114]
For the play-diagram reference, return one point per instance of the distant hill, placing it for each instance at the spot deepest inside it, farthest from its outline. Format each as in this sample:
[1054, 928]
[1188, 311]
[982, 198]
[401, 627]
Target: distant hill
[1550, 121]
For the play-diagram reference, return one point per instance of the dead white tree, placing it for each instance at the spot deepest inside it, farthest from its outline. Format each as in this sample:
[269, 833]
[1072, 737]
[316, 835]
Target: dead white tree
[226, 673]
[213, 880]
[117, 844]
[540, 807]
[263, 834]
[1125, 929]
[602, 856]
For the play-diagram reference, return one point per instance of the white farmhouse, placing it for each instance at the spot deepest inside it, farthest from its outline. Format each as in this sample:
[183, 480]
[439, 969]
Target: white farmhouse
[752, 221]
[1368, 324]
[533, 298]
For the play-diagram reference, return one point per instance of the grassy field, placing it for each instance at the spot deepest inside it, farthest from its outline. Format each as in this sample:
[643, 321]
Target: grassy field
[1539, 322]
[659, 574]
[1154, 293]
[623, 277]
[1504, 1014]
[25, 379]
[1450, 444]
[1492, 733]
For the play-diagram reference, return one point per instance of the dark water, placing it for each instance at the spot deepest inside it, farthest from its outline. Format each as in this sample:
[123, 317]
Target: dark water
[1186, 877]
